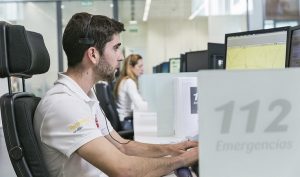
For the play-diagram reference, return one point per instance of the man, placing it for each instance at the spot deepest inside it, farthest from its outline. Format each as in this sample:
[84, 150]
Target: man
[75, 138]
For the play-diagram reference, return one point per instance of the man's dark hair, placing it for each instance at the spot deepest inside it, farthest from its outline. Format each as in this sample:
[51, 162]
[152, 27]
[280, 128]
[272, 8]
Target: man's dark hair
[99, 29]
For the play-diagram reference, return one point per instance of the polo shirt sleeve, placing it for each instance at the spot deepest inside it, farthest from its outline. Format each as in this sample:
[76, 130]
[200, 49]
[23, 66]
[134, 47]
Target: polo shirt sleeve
[68, 124]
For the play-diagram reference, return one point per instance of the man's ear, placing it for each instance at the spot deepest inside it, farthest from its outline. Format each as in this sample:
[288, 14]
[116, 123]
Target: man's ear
[92, 54]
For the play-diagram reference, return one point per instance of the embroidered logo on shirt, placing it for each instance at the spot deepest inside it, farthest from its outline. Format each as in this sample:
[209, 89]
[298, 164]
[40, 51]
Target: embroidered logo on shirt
[77, 125]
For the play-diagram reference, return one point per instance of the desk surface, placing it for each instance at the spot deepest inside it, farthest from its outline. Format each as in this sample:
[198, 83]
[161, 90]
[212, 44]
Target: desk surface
[160, 140]
[145, 131]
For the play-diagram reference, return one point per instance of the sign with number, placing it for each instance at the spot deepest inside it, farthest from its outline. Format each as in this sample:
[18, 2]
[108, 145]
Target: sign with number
[185, 106]
[249, 123]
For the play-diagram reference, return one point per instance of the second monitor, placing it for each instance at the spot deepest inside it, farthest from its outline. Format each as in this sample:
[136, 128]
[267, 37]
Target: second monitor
[259, 49]
[295, 47]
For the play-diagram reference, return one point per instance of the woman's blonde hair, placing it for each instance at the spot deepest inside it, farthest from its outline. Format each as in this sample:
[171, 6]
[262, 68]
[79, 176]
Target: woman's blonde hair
[127, 72]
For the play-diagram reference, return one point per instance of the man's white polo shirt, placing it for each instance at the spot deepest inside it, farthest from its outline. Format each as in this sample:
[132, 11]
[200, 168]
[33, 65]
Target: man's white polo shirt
[65, 119]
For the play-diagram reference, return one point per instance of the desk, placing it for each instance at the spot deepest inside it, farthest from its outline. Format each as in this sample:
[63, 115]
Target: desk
[145, 131]
[159, 140]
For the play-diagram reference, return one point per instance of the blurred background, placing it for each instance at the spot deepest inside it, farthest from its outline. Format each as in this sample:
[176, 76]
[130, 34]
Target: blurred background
[156, 29]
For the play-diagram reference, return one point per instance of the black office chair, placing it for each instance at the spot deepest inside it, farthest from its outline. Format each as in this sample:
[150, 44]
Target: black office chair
[108, 105]
[22, 54]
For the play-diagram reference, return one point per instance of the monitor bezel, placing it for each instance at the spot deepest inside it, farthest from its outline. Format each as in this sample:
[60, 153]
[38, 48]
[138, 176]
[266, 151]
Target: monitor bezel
[292, 29]
[263, 31]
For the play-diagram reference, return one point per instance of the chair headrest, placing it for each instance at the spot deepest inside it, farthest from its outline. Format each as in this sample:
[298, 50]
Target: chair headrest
[22, 53]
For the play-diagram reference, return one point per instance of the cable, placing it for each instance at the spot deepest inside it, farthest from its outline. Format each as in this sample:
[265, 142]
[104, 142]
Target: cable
[107, 125]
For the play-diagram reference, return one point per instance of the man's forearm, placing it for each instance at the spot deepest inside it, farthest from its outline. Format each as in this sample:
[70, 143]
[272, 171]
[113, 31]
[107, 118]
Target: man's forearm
[152, 167]
[146, 150]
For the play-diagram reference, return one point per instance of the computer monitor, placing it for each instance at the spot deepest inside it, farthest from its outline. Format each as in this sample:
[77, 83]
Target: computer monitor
[196, 61]
[216, 55]
[183, 62]
[174, 65]
[157, 69]
[164, 67]
[154, 69]
[295, 47]
[259, 49]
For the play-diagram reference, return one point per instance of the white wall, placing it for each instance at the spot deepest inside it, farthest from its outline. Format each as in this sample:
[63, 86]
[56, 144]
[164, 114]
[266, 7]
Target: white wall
[218, 26]
[168, 38]
[159, 40]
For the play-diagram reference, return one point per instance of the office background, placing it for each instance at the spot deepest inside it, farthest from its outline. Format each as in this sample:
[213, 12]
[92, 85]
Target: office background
[172, 27]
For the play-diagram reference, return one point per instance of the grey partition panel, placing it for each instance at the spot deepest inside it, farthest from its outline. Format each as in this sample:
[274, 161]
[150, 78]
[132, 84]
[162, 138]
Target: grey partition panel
[158, 91]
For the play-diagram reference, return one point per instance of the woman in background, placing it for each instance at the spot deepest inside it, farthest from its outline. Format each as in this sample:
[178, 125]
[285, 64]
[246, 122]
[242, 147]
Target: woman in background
[126, 90]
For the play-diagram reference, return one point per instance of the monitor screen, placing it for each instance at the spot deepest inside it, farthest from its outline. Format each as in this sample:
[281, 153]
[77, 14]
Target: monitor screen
[260, 49]
[165, 67]
[174, 65]
[196, 61]
[295, 48]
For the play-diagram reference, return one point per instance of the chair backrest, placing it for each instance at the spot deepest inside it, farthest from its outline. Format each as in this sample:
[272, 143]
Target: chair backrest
[108, 105]
[22, 54]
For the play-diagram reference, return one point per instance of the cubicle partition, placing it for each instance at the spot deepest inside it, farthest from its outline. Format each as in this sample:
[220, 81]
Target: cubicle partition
[249, 123]
[158, 90]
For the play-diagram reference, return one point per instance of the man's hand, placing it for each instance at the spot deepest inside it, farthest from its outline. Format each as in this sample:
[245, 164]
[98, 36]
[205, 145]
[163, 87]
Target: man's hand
[190, 157]
[179, 148]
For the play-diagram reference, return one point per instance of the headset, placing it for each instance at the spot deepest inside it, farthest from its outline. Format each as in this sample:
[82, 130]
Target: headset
[86, 40]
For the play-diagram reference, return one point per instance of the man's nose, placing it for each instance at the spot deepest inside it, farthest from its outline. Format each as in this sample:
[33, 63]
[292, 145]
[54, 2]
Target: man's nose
[121, 57]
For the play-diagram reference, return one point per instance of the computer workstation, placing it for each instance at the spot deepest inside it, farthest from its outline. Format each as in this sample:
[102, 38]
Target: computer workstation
[238, 105]
[212, 58]
[258, 53]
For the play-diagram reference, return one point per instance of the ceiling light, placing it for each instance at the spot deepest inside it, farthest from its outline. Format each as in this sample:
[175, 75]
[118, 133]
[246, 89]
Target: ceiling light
[196, 12]
[146, 10]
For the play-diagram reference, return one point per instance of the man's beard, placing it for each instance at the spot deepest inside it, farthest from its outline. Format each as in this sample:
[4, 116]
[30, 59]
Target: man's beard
[104, 71]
